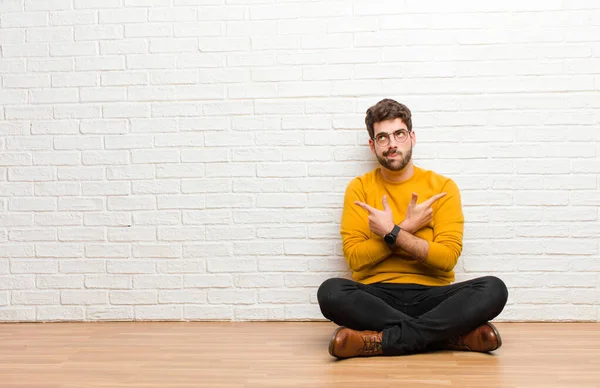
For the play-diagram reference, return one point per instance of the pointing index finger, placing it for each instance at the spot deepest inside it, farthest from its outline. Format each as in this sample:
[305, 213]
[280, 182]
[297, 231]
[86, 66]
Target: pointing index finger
[364, 206]
[434, 198]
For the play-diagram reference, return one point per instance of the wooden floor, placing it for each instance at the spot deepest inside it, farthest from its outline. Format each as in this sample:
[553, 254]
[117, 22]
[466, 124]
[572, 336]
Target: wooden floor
[277, 354]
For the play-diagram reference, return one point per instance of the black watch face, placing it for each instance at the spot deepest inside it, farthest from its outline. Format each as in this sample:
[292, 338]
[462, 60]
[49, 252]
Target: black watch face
[388, 239]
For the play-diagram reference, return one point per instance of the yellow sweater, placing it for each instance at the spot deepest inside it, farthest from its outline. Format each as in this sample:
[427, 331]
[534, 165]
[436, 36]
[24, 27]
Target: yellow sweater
[369, 256]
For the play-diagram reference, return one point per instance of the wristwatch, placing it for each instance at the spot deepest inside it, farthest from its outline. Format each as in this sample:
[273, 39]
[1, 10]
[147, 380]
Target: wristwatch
[390, 238]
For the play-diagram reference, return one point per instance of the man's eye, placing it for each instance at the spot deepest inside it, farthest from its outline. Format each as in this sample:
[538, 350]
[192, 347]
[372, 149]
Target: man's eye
[381, 137]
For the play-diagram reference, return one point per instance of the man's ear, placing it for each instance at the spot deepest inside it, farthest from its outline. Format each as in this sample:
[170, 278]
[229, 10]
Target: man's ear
[372, 146]
[413, 138]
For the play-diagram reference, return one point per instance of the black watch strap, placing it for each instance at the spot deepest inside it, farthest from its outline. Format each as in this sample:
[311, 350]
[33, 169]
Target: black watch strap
[390, 238]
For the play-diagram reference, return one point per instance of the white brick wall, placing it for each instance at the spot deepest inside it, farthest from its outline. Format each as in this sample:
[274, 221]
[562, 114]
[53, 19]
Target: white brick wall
[186, 159]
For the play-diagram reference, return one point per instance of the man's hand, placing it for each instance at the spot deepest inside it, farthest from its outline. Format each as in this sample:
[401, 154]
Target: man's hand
[381, 222]
[418, 216]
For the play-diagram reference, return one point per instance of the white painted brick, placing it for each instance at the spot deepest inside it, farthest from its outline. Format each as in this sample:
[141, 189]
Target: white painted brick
[181, 202]
[303, 312]
[210, 313]
[83, 297]
[123, 78]
[232, 296]
[73, 49]
[107, 219]
[16, 220]
[132, 233]
[11, 5]
[131, 202]
[187, 170]
[57, 188]
[112, 250]
[207, 281]
[28, 143]
[130, 172]
[32, 204]
[59, 282]
[231, 170]
[224, 233]
[29, 81]
[260, 248]
[77, 173]
[100, 63]
[108, 281]
[284, 296]
[205, 186]
[133, 297]
[81, 234]
[48, 35]
[130, 266]
[259, 281]
[176, 109]
[15, 127]
[148, 30]
[17, 314]
[26, 113]
[24, 266]
[20, 250]
[13, 36]
[70, 18]
[105, 157]
[173, 45]
[231, 265]
[15, 159]
[255, 186]
[59, 250]
[32, 235]
[156, 218]
[109, 313]
[157, 281]
[162, 186]
[182, 296]
[145, 3]
[17, 282]
[79, 204]
[180, 233]
[77, 112]
[51, 313]
[181, 266]
[173, 76]
[266, 313]
[23, 19]
[102, 126]
[207, 217]
[157, 251]
[78, 143]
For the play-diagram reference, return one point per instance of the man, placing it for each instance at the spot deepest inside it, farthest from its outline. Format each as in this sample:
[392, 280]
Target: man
[402, 229]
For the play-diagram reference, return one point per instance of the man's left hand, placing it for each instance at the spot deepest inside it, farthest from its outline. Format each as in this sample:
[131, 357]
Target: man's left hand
[381, 222]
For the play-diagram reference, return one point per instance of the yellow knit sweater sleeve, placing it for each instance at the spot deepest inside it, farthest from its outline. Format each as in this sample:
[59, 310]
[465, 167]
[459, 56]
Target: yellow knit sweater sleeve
[448, 228]
[361, 247]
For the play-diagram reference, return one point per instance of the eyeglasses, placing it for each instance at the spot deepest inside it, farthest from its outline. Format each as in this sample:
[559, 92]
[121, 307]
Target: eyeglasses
[383, 138]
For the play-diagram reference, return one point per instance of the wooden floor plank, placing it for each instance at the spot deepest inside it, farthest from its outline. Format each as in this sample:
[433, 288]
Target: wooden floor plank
[280, 354]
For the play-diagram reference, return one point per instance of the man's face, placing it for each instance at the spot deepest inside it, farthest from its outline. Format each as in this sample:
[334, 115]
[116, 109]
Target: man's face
[397, 153]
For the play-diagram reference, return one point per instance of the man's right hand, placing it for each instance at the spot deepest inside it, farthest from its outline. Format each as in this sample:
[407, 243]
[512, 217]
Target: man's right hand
[419, 216]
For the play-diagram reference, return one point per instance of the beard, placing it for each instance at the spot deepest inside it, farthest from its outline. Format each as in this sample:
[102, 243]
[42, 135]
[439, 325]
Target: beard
[395, 164]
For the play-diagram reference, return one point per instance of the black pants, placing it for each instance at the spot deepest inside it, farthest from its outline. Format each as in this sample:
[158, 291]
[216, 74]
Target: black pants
[413, 317]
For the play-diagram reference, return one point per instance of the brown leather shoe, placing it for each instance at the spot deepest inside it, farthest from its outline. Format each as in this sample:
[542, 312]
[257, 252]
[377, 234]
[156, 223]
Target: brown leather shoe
[346, 343]
[484, 338]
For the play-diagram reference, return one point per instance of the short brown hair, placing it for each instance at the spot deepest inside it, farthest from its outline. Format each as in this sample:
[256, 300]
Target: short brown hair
[387, 109]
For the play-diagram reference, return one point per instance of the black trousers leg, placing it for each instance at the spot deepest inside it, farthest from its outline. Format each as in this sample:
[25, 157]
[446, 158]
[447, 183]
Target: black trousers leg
[412, 317]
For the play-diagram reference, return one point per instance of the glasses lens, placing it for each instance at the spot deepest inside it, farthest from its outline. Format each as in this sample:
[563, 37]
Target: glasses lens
[401, 135]
[382, 139]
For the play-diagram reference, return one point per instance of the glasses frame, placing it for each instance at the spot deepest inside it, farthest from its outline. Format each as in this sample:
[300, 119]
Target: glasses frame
[408, 132]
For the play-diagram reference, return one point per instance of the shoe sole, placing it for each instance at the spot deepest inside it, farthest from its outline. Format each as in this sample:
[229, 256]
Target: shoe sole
[497, 335]
[332, 342]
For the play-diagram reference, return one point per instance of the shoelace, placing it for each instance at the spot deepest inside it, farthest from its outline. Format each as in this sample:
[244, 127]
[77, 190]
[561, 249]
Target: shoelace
[371, 344]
